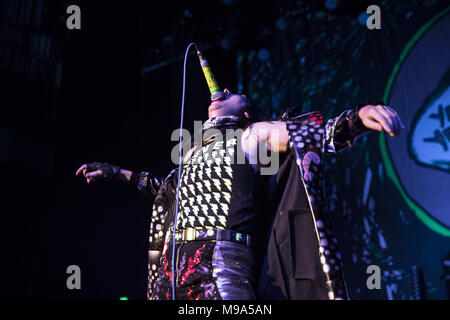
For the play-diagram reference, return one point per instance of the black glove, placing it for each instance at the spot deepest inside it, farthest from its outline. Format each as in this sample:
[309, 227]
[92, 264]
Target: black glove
[109, 172]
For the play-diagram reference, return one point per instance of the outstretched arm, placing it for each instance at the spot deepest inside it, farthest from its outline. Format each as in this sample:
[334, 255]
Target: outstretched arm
[341, 132]
[160, 220]
[144, 181]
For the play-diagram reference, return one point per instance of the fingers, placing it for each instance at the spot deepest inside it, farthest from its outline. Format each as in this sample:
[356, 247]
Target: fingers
[381, 117]
[398, 125]
[391, 127]
[390, 115]
[91, 176]
[94, 174]
[387, 119]
[396, 116]
[374, 125]
[83, 168]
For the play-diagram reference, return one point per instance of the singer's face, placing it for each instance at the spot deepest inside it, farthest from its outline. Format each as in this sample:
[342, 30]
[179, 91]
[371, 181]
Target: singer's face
[233, 104]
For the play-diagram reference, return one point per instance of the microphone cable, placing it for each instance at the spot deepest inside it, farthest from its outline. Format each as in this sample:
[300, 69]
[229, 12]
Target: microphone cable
[174, 278]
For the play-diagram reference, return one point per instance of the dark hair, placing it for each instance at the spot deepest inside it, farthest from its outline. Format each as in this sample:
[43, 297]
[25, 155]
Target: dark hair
[256, 113]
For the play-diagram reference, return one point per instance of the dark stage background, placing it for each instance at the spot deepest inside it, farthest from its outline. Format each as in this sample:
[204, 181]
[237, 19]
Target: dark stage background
[112, 92]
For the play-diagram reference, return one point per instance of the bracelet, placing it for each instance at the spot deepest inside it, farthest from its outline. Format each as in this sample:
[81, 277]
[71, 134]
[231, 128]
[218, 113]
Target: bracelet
[353, 116]
[143, 180]
[140, 179]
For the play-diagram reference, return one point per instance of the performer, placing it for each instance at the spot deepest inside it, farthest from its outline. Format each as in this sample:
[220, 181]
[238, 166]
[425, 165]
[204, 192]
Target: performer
[222, 207]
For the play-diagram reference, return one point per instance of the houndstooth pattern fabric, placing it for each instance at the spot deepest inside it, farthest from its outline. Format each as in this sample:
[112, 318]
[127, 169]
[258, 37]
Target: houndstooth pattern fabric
[206, 185]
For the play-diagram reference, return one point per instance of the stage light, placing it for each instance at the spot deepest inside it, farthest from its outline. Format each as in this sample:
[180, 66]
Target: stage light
[263, 54]
[225, 43]
[123, 298]
[362, 18]
[281, 23]
[331, 4]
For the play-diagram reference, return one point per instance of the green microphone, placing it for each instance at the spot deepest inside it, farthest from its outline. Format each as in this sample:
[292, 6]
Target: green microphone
[216, 92]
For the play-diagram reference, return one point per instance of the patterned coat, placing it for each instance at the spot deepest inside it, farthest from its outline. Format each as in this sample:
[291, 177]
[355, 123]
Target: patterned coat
[302, 260]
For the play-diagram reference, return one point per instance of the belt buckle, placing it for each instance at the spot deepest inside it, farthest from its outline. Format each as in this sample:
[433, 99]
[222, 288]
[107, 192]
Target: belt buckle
[189, 234]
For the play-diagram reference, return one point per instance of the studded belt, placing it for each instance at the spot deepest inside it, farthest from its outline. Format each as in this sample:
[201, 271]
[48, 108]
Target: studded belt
[193, 234]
